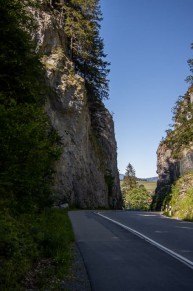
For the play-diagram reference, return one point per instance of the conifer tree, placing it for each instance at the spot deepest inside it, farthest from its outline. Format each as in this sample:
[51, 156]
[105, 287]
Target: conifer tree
[130, 178]
[81, 25]
[180, 136]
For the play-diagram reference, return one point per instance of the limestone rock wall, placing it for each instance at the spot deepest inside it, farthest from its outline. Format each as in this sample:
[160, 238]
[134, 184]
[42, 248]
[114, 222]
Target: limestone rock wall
[169, 170]
[87, 135]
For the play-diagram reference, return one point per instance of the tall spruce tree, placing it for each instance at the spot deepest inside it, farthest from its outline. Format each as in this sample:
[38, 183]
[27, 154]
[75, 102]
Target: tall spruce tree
[130, 178]
[81, 25]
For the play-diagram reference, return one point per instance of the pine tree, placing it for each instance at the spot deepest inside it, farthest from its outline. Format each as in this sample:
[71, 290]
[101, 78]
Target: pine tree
[180, 135]
[190, 63]
[81, 25]
[130, 178]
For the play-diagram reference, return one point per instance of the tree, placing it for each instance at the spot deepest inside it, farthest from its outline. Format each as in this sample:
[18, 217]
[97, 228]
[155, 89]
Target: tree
[181, 134]
[190, 63]
[130, 178]
[28, 144]
[137, 198]
[129, 182]
[81, 25]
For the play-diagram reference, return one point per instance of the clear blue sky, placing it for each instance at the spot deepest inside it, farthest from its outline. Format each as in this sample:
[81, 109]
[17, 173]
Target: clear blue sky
[148, 45]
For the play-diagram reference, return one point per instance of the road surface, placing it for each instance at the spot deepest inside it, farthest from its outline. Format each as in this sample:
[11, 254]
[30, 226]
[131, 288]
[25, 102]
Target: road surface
[144, 251]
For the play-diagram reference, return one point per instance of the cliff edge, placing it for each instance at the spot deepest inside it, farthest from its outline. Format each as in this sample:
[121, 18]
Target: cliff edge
[175, 153]
[86, 174]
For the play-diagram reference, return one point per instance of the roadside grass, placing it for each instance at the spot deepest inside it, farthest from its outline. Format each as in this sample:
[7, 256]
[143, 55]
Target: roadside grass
[35, 250]
[180, 199]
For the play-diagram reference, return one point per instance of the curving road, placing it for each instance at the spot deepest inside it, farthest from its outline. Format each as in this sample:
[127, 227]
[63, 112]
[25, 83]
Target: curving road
[127, 251]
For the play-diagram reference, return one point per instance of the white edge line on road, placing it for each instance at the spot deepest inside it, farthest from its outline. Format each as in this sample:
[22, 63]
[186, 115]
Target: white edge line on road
[161, 247]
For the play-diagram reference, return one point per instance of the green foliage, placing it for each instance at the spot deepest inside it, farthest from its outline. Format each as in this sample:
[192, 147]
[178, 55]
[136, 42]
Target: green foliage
[28, 144]
[181, 198]
[81, 25]
[182, 134]
[27, 239]
[137, 198]
[28, 150]
[57, 233]
[130, 171]
[190, 63]
[17, 250]
[21, 77]
[27, 153]
[54, 237]
[130, 181]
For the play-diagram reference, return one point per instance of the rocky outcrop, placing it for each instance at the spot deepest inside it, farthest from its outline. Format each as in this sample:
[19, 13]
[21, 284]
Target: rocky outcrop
[86, 130]
[169, 170]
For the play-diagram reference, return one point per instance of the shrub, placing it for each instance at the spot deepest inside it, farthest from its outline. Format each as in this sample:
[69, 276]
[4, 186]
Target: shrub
[137, 198]
[181, 198]
[27, 239]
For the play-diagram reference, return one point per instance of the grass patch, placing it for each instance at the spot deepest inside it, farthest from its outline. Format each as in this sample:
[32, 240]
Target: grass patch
[180, 199]
[35, 250]
[150, 186]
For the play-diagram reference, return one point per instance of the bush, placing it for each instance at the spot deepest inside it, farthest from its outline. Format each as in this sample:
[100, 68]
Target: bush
[137, 198]
[27, 239]
[181, 198]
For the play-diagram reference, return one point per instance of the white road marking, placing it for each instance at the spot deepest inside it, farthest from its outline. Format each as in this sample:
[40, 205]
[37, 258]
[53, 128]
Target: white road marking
[146, 238]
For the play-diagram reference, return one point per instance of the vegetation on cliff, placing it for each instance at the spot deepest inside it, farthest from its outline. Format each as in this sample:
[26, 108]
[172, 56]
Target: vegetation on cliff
[178, 143]
[31, 234]
[28, 144]
[180, 135]
[81, 23]
[179, 203]
[35, 239]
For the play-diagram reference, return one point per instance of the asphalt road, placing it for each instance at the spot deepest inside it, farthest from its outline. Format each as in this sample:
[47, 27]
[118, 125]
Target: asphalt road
[118, 260]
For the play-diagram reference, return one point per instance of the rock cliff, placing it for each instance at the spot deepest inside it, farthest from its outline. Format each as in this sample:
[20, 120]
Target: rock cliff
[86, 174]
[168, 172]
[172, 163]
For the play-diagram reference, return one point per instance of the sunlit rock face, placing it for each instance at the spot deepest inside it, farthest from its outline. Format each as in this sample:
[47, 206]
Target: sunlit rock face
[89, 159]
[169, 170]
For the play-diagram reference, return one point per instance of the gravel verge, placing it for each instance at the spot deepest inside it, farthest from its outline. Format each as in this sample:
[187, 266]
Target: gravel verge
[78, 279]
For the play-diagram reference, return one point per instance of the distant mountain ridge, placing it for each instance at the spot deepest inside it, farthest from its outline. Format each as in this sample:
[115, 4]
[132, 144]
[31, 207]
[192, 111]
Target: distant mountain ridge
[151, 179]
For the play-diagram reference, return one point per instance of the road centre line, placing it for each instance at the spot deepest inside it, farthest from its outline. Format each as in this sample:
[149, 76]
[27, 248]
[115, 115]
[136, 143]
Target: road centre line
[146, 238]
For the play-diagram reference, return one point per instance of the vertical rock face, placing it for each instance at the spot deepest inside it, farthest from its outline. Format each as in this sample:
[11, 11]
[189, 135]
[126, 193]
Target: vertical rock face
[86, 130]
[169, 170]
